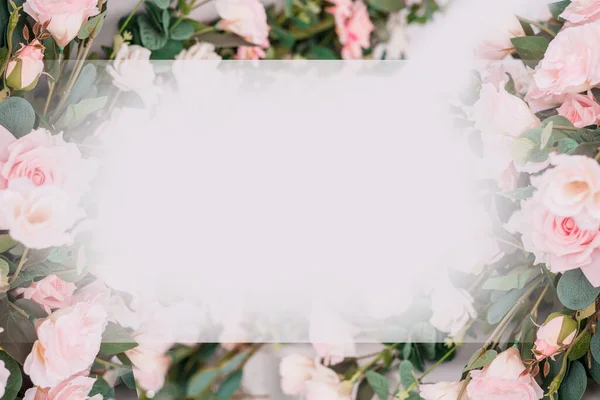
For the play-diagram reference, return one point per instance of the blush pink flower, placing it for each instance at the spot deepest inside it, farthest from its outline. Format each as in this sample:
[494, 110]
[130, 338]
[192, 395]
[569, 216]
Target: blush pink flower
[353, 27]
[325, 384]
[539, 100]
[76, 387]
[295, 371]
[582, 11]
[246, 18]
[65, 16]
[498, 44]
[502, 380]
[45, 159]
[572, 187]
[23, 72]
[559, 241]
[580, 109]
[251, 52]
[443, 391]
[150, 361]
[38, 216]
[547, 343]
[50, 293]
[68, 342]
[4, 375]
[572, 61]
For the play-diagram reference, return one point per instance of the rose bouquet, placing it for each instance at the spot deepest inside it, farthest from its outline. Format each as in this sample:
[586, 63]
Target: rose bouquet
[64, 333]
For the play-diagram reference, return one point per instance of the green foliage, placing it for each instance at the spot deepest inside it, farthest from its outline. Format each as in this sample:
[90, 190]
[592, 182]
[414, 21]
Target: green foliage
[580, 348]
[574, 385]
[92, 27]
[15, 379]
[230, 386]
[6, 243]
[515, 279]
[575, 291]
[116, 339]
[595, 346]
[480, 360]
[77, 113]
[531, 49]
[17, 115]
[527, 338]
[558, 8]
[102, 387]
[387, 5]
[201, 381]
[501, 306]
[164, 4]
[407, 374]
[183, 31]
[19, 333]
[152, 37]
[379, 384]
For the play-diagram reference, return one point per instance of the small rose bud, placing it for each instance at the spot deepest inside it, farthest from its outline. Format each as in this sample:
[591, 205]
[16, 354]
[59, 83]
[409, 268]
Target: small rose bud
[557, 333]
[25, 69]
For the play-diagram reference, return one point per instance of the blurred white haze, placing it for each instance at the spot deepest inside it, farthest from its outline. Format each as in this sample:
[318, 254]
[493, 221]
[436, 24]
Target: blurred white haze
[262, 192]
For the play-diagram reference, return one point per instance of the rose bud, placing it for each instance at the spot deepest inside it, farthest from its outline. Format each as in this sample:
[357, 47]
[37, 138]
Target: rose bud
[557, 333]
[25, 69]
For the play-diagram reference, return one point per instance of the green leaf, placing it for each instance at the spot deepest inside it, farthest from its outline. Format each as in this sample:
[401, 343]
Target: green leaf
[77, 113]
[234, 363]
[102, 387]
[128, 378]
[499, 308]
[93, 25]
[201, 381]
[407, 374]
[184, 7]
[17, 115]
[164, 4]
[527, 338]
[230, 385]
[387, 5]
[521, 193]
[4, 17]
[380, 385]
[287, 8]
[567, 145]
[7, 243]
[51, 66]
[515, 279]
[183, 31]
[83, 84]
[15, 380]
[31, 307]
[426, 335]
[531, 49]
[575, 291]
[580, 348]
[19, 333]
[152, 38]
[168, 52]
[322, 53]
[115, 340]
[224, 40]
[479, 362]
[595, 346]
[558, 8]
[365, 392]
[595, 371]
[574, 385]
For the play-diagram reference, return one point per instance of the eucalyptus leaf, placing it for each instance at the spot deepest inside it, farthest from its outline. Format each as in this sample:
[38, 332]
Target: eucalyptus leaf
[531, 49]
[575, 291]
[477, 361]
[116, 339]
[76, 113]
[19, 333]
[580, 348]
[164, 4]
[500, 308]
[102, 388]
[567, 145]
[15, 379]
[521, 193]
[17, 115]
[7, 243]
[387, 5]
[93, 25]
[574, 385]
[595, 346]
[379, 384]
[407, 374]
[556, 9]
[224, 40]
[230, 386]
[515, 279]
[201, 381]
[83, 84]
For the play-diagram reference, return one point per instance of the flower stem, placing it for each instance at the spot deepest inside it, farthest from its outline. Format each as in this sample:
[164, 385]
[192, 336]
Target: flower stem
[361, 371]
[110, 364]
[20, 266]
[128, 20]
[537, 24]
[19, 310]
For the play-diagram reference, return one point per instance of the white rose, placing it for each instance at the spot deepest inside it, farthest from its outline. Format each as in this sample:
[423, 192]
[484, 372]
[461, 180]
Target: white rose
[38, 216]
[132, 71]
[246, 18]
[452, 309]
[443, 391]
[187, 62]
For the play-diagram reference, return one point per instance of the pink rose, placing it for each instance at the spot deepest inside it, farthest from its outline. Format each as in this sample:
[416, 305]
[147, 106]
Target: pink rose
[572, 187]
[66, 16]
[23, 71]
[38, 216]
[498, 46]
[75, 388]
[502, 380]
[246, 18]
[539, 100]
[353, 27]
[45, 159]
[251, 52]
[325, 384]
[559, 241]
[295, 371]
[443, 391]
[582, 11]
[4, 375]
[68, 342]
[51, 292]
[572, 61]
[150, 363]
[500, 117]
[547, 343]
[581, 110]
